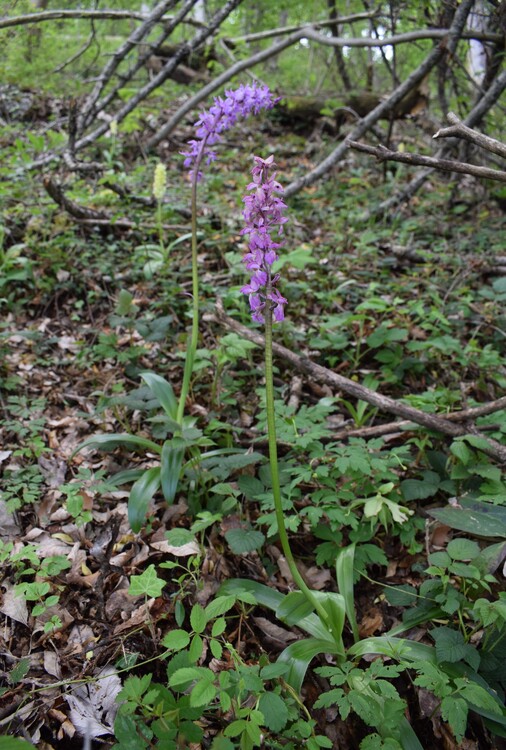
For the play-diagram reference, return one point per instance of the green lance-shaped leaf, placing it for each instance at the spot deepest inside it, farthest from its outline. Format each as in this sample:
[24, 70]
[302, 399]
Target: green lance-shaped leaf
[115, 439]
[140, 497]
[299, 655]
[170, 466]
[162, 390]
[344, 574]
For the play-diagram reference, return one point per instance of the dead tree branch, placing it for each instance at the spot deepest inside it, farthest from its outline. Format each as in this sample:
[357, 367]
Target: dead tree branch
[474, 117]
[445, 165]
[459, 130]
[446, 47]
[384, 403]
[219, 81]
[58, 15]
[280, 31]
[90, 109]
[408, 37]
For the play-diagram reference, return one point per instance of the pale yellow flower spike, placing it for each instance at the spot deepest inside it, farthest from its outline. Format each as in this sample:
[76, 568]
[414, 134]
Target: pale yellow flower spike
[159, 182]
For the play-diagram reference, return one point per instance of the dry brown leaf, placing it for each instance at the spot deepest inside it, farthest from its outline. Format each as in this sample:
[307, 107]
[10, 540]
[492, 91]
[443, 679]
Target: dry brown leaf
[9, 527]
[52, 663]
[370, 624]
[13, 606]
[139, 617]
[273, 633]
[93, 706]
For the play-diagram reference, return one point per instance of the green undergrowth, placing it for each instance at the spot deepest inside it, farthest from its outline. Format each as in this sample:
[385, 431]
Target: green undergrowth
[88, 314]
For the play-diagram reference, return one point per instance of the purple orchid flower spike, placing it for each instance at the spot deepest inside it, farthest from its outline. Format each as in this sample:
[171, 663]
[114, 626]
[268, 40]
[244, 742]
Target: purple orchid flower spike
[222, 115]
[263, 215]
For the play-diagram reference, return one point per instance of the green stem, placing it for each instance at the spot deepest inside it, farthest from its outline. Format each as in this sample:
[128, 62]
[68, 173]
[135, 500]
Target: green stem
[192, 348]
[160, 228]
[273, 458]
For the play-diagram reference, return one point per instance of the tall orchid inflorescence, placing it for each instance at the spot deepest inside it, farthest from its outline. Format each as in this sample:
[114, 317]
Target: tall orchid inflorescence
[264, 218]
[222, 115]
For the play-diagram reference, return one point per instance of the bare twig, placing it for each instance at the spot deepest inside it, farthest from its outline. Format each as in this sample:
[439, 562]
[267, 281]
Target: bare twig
[408, 37]
[459, 130]
[384, 403]
[445, 165]
[90, 109]
[464, 415]
[280, 31]
[167, 69]
[473, 118]
[219, 81]
[452, 37]
[99, 15]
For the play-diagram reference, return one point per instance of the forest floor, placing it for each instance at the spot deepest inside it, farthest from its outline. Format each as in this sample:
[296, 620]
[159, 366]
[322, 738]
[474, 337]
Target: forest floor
[411, 305]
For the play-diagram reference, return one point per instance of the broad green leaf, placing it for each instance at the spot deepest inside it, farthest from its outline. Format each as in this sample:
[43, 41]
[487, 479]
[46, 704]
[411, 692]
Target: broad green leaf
[397, 648]
[140, 497]
[480, 520]
[401, 596]
[183, 677]
[463, 549]
[294, 607]
[146, 584]
[334, 605]
[268, 597]
[299, 655]
[179, 536]
[417, 489]
[170, 467]
[113, 440]
[242, 541]
[275, 711]
[163, 391]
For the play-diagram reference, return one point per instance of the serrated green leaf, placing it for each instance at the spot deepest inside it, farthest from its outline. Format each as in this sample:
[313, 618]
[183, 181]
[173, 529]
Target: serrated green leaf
[275, 711]
[242, 541]
[176, 640]
[463, 549]
[183, 677]
[140, 496]
[454, 710]
[198, 618]
[274, 670]
[203, 693]
[417, 489]
[163, 391]
[178, 537]
[219, 606]
[401, 596]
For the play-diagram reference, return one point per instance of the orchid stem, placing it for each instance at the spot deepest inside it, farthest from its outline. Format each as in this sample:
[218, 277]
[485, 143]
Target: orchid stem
[276, 491]
[192, 348]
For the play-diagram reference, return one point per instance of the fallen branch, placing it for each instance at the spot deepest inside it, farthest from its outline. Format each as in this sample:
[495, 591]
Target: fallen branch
[445, 165]
[384, 403]
[459, 130]
[464, 415]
